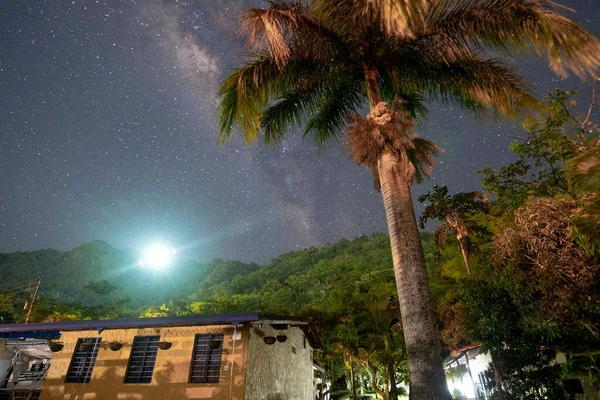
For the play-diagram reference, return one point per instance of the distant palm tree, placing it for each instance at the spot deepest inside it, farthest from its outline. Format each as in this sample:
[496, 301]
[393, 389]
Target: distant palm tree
[453, 212]
[316, 63]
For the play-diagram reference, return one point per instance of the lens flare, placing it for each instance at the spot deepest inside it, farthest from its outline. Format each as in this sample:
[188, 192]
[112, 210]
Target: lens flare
[157, 256]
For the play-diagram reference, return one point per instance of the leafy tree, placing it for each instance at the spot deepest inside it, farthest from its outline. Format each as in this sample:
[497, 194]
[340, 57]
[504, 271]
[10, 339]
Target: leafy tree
[551, 140]
[380, 333]
[317, 63]
[522, 361]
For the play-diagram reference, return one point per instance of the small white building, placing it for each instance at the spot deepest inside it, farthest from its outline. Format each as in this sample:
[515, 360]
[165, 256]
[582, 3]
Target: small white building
[471, 384]
[465, 372]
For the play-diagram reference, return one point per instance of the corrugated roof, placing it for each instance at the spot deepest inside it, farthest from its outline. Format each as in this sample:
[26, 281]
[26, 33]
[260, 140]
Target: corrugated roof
[223, 319]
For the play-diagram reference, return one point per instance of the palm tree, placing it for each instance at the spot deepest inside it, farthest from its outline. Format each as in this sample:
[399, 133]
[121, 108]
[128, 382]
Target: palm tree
[317, 63]
[378, 326]
[453, 212]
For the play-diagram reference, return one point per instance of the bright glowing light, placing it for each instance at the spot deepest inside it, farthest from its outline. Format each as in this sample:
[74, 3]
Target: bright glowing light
[157, 256]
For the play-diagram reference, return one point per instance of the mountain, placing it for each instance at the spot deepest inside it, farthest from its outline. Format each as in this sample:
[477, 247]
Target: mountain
[65, 275]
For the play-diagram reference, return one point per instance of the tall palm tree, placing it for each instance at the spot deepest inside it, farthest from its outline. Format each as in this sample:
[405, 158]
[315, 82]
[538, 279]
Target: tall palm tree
[317, 63]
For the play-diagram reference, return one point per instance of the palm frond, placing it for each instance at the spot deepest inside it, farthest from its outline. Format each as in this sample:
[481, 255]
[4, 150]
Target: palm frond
[412, 103]
[521, 25]
[301, 90]
[394, 17]
[270, 27]
[398, 17]
[474, 82]
[296, 106]
[421, 154]
[333, 110]
[244, 93]
[288, 30]
[583, 170]
[489, 82]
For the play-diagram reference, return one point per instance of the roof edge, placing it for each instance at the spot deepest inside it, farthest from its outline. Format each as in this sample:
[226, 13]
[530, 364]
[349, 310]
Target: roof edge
[188, 320]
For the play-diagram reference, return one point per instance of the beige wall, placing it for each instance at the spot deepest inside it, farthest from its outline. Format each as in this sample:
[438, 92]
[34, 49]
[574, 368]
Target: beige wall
[171, 371]
[274, 371]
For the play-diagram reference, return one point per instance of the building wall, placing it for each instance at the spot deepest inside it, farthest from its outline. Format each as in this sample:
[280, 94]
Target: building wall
[274, 371]
[171, 371]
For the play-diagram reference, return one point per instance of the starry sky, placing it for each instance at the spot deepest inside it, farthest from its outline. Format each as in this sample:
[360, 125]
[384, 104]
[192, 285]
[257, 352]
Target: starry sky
[108, 131]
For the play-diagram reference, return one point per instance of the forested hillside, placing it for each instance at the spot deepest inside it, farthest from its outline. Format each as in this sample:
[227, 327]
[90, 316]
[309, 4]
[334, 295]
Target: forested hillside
[66, 275]
[96, 273]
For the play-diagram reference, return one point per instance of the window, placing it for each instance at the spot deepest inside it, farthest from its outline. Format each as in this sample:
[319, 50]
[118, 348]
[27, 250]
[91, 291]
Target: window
[303, 342]
[206, 358]
[82, 363]
[142, 359]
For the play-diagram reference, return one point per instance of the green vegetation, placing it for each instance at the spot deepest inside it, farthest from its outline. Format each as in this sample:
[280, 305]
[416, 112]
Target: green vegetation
[513, 267]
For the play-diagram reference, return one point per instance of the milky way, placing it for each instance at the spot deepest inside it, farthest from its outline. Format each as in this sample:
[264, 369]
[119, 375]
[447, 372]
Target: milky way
[108, 131]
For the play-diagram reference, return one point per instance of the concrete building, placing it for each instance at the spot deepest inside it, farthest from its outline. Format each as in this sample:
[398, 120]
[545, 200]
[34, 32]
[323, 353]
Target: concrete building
[233, 356]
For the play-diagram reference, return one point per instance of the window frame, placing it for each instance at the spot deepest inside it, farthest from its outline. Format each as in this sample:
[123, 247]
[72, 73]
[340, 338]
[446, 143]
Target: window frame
[93, 355]
[150, 339]
[210, 336]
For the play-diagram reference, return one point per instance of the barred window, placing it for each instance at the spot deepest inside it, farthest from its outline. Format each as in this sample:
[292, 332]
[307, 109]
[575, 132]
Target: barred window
[84, 358]
[142, 359]
[206, 358]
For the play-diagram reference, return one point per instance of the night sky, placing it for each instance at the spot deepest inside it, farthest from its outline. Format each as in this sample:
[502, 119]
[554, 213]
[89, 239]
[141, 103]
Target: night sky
[108, 131]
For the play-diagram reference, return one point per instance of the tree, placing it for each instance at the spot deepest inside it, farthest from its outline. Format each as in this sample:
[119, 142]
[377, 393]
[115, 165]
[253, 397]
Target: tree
[101, 287]
[453, 211]
[317, 63]
[541, 156]
[380, 333]
[7, 311]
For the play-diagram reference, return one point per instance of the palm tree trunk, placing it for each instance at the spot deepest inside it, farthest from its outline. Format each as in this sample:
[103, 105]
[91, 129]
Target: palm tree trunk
[465, 256]
[393, 389]
[353, 378]
[427, 379]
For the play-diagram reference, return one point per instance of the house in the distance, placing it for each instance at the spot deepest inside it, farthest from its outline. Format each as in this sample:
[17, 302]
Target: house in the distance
[233, 356]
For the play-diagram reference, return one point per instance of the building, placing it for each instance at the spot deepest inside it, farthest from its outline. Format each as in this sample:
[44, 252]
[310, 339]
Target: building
[470, 363]
[234, 356]
[467, 379]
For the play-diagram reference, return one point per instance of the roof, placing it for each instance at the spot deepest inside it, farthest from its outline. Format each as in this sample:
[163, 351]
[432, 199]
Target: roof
[52, 330]
[471, 351]
[38, 329]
